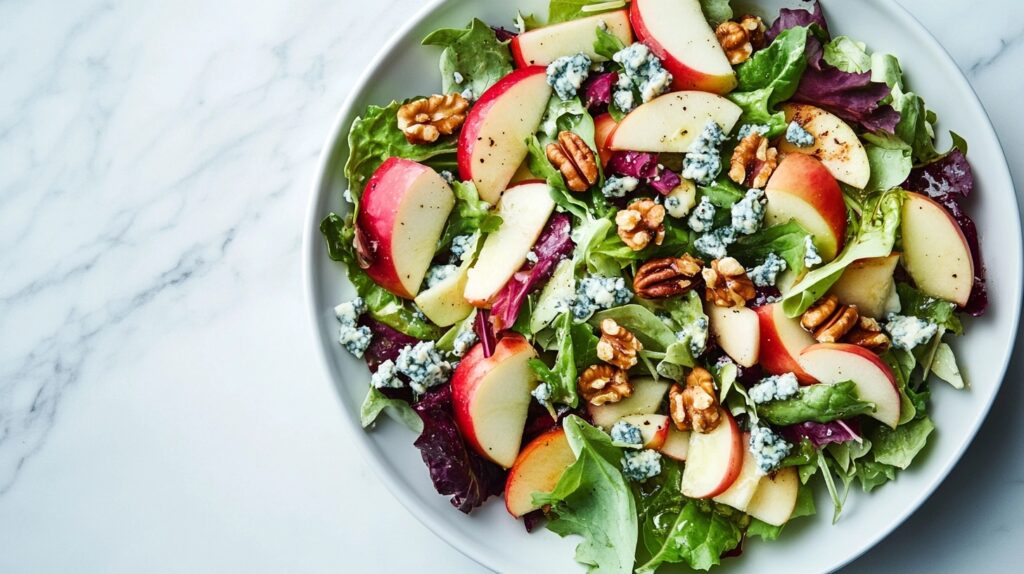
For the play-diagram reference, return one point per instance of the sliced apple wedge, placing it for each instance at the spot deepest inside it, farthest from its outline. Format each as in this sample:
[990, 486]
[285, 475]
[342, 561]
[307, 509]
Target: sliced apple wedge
[714, 459]
[537, 469]
[935, 251]
[491, 396]
[782, 341]
[836, 145]
[737, 331]
[678, 33]
[833, 363]
[541, 46]
[672, 122]
[653, 428]
[524, 210]
[743, 488]
[492, 144]
[868, 284]
[677, 444]
[802, 189]
[775, 499]
[402, 213]
[604, 125]
[445, 303]
[647, 397]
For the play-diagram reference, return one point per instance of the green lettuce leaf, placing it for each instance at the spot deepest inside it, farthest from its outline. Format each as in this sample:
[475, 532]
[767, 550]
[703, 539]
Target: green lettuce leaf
[539, 165]
[818, 403]
[565, 10]
[647, 327]
[917, 123]
[376, 402]
[848, 55]
[607, 44]
[785, 240]
[770, 77]
[716, 11]
[944, 366]
[475, 53]
[898, 447]
[890, 161]
[577, 350]
[698, 537]
[469, 214]
[916, 304]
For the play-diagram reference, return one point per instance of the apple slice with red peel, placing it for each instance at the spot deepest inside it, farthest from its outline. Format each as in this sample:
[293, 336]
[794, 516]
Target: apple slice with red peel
[444, 303]
[537, 469]
[677, 444]
[647, 397]
[672, 122]
[403, 210]
[833, 363]
[524, 210]
[714, 459]
[491, 396]
[541, 46]
[775, 499]
[678, 33]
[782, 341]
[653, 428]
[836, 145]
[737, 331]
[935, 251]
[868, 284]
[743, 488]
[492, 143]
[802, 189]
[604, 125]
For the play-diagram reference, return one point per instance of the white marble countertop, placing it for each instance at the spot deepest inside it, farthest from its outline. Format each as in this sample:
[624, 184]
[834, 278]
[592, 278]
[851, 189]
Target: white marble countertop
[161, 409]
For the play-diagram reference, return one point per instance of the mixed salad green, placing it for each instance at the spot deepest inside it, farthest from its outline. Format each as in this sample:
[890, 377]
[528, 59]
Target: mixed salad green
[655, 271]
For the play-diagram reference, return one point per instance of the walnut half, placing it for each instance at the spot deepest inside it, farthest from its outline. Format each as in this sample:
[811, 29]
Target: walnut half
[727, 284]
[740, 39]
[601, 384]
[753, 161]
[618, 346]
[695, 407]
[424, 120]
[641, 223]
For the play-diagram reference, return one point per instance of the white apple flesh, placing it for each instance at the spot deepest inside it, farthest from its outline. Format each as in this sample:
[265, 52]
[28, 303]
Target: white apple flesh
[782, 341]
[935, 251]
[775, 499]
[445, 303]
[653, 429]
[737, 331]
[836, 145]
[677, 444]
[646, 399]
[537, 469]
[743, 488]
[714, 459]
[868, 284]
[672, 122]
[802, 189]
[833, 363]
[541, 46]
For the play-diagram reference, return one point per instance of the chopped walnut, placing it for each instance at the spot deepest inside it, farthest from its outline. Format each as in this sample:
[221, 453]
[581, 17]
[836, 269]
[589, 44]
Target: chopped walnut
[727, 284]
[753, 161]
[574, 158]
[667, 277]
[640, 223]
[424, 120]
[618, 346]
[696, 406]
[868, 334]
[601, 384]
[829, 320]
[740, 39]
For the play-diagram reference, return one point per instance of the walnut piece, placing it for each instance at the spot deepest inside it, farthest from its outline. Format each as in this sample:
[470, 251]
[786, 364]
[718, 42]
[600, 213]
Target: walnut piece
[868, 334]
[740, 39]
[727, 284]
[696, 406]
[667, 277]
[574, 158]
[753, 161]
[424, 120]
[640, 223]
[829, 320]
[601, 384]
[618, 345]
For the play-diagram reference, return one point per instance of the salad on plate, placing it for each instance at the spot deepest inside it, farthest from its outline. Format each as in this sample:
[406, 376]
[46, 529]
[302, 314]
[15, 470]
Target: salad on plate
[654, 271]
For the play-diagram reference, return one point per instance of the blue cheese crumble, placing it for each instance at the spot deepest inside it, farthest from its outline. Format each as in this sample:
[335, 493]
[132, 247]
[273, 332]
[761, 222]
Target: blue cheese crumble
[748, 213]
[386, 376]
[747, 129]
[448, 176]
[627, 433]
[774, 388]
[457, 78]
[542, 393]
[619, 186]
[463, 343]
[768, 448]
[641, 70]
[703, 217]
[716, 244]
[567, 74]
[462, 246]
[703, 162]
[423, 366]
[354, 337]
[439, 273]
[640, 465]
[622, 95]
[596, 293]
[767, 273]
[798, 136]
[697, 332]
[811, 255]
[909, 332]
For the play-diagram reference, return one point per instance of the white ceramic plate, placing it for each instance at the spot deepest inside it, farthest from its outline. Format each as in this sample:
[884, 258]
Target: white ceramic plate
[490, 536]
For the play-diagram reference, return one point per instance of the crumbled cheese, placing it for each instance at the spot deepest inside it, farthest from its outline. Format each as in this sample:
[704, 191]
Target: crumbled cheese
[640, 465]
[703, 217]
[348, 313]
[531, 256]
[423, 366]
[354, 337]
[622, 95]
[747, 129]
[438, 273]
[697, 332]
[448, 176]
[463, 342]
[908, 332]
[619, 186]
[469, 94]
[767, 273]
[811, 255]
[703, 162]
[681, 200]
[596, 293]
[462, 247]
[715, 244]
[542, 393]
[641, 70]
[798, 136]
[567, 74]
[347, 195]
[386, 376]
[457, 77]
[768, 448]
[627, 433]
[774, 388]
[748, 213]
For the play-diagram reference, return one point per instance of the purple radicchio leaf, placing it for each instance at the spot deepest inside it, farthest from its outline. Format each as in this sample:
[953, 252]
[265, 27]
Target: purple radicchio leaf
[454, 469]
[385, 343]
[949, 181]
[532, 520]
[765, 296]
[502, 34]
[598, 90]
[485, 331]
[665, 181]
[793, 17]
[638, 164]
[821, 434]
[553, 245]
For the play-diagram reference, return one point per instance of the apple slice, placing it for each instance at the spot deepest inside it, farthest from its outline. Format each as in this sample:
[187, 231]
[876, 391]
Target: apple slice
[935, 251]
[714, 460]
[402, 213]
[782, 341]
[541, 46]
[836, 145]
[801, 188]
[737, 331]
[868, 283]
[537, 469]
[646, 399]
[672, 122]
[678, 33]
[833, 363]
[524, 210]
[444, 303]
[491, 396]
[775, 499]
[492, 144]
[604, 125]
[653, 428]
[743, 488]
[677, 444]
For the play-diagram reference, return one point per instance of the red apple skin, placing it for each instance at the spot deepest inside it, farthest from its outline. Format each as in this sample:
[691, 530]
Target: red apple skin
[775, 358]
[806, 177]
[735, 458]
[683, 76]
[478, 113]
[470, 373]
[604, 126]
[551, 444]
[862, 352]
[377, 211]
[517, 53]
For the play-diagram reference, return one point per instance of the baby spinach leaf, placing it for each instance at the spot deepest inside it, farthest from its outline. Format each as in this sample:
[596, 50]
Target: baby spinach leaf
[698, 538]
[474, 53]
[607, 44]
[647, 327]
[577, 350]
[770, 77]
[716, 11]
[469, 214]
[917, 304]
[785, 240]
[818, 403]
